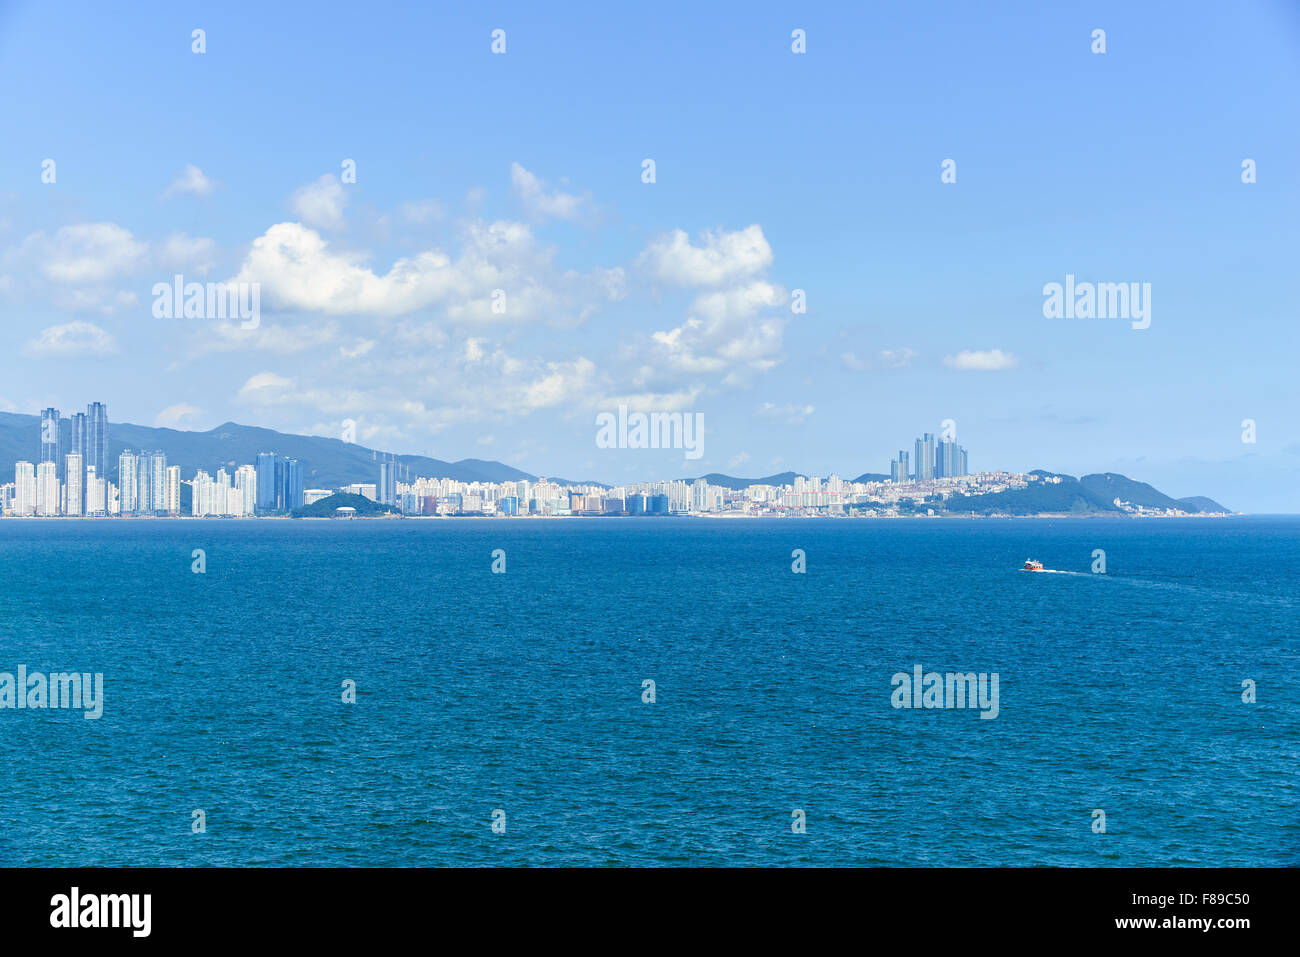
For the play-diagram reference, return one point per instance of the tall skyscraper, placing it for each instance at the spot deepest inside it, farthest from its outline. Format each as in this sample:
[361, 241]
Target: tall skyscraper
[143, 484]
[96, 451]
[246, 487]
[73, 485]
[127, 483]
[266, 482]
[904, 467]
[48, 490]
[80, 436]
[387, 483]
[158, 481]
[172, 490]
[291, 496]
[925, 457]
[946, 464]
[50, 438]
[96, 493]
[24, 489]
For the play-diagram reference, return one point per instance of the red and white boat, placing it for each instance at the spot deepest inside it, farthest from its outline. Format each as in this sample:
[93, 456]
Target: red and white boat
[1032, 566]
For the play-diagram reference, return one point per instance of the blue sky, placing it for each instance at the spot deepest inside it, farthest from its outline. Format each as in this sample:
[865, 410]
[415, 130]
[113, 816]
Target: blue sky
[775, 172]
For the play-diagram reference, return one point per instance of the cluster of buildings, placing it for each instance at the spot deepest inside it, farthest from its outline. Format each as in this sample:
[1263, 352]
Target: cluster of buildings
[947, 459]
[805, 496]
[76, 480]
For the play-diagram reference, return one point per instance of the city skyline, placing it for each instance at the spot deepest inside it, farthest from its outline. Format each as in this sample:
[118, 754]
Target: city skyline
[68, 485]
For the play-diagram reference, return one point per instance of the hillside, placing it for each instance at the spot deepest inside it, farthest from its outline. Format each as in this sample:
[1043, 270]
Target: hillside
[1091, 495]
[327, 463]
[1202, 504]
[328, 507]
[736, 484]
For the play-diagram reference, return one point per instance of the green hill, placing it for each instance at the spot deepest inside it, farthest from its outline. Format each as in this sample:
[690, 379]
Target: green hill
[327, 463]
[328, 507]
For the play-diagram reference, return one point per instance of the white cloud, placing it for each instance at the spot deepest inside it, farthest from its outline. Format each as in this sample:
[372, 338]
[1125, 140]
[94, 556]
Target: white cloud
[720, 258]
[298, 269]
[422, 211]
[191, 181]
[71, 340]
[321, 203]
[789, 414]
[739, 459]
[540, 203]
[181, 252]
[279, 339]
[897, 357]
[853, 363]
[174, 416]
[680, 401]
[86, 253]
[265, 387]
[989, 360]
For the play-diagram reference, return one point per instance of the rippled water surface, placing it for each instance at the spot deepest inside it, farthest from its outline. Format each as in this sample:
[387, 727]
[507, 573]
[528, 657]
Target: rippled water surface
[523, 692]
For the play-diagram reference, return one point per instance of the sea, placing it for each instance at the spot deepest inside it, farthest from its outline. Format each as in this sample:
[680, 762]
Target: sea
[653, 692]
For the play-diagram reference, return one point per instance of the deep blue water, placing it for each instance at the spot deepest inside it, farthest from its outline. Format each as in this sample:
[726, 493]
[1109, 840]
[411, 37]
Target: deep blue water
[522, 691]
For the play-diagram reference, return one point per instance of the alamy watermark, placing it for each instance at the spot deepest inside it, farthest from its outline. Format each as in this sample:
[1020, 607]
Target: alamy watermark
[1102, 300]
[654, 430]
[179, 299]
[37, 690]
[950, 690]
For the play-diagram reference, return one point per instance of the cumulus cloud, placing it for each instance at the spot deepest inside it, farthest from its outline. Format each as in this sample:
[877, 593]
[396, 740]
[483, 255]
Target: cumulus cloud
[731, 338]
[897, 358]
[191, 181]
[71, 340]
[193, 253]
[321, 203]
[989, 360]
[86, 253]
[721, 257]
[790, 414]
[853, 363]
[174, 416]
[298, 269]
[540, 202]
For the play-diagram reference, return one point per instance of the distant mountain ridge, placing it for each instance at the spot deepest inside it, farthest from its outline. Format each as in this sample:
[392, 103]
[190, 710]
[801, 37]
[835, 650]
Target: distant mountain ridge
[327, 463]
[1092, 494]
[333, 463]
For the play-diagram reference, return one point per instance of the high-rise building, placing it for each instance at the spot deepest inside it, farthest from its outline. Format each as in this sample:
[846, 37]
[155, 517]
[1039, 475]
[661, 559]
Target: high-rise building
[96, 451]
[24, 489]
[387, 483]
[144, 483]
[291, 490]
[201, 495]
[246, 489]
[946, 464]
[266, 482]
[172, 490]
[157, 482]
[80, 437]
[47, 488]
[74, 485]
[96, 493]
[51, 450]
[127, 484]
[924, 464]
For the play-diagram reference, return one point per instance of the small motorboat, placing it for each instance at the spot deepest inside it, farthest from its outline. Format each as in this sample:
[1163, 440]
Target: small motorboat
[1032, 566]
